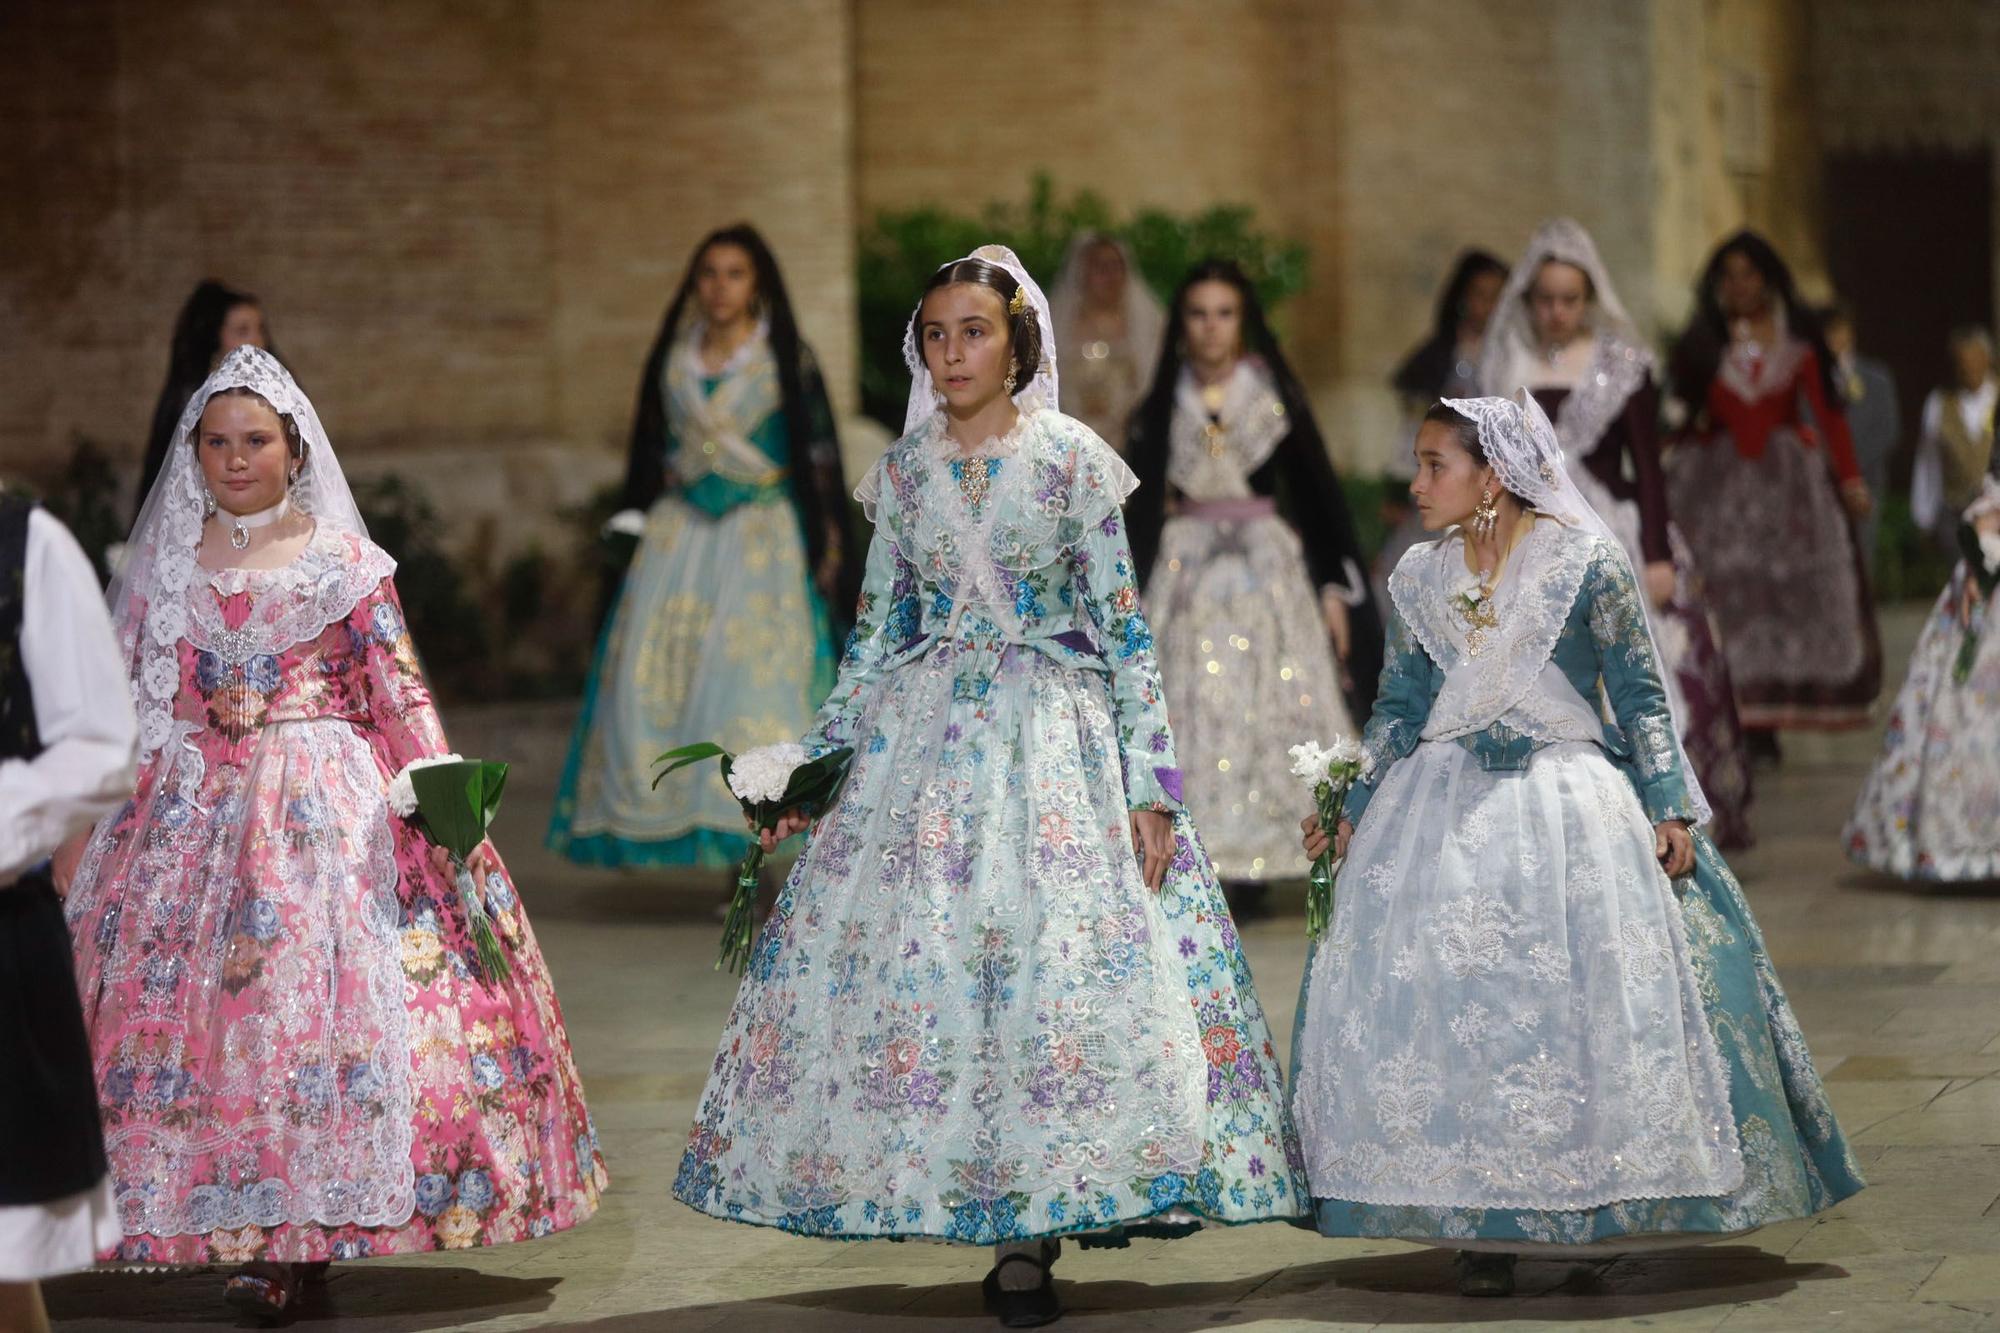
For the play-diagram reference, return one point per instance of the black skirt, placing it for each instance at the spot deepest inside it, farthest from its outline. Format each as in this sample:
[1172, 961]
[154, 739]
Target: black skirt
[54, 1144]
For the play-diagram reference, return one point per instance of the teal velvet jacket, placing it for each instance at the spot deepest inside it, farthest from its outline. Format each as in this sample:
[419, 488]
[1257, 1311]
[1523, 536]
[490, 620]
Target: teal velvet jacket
[1602, 643]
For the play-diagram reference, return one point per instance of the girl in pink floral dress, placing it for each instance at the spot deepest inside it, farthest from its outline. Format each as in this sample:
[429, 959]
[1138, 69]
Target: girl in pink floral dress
[297, 1056]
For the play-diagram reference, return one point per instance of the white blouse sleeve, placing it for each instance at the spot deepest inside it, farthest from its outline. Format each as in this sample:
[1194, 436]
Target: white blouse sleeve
[83, 706]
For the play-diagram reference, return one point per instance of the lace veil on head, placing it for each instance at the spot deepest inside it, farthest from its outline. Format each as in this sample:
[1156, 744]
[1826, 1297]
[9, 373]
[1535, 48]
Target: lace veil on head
[1510, 337]
[1145, 317]
[150, 594]
[1521, 445]
[1036, 394]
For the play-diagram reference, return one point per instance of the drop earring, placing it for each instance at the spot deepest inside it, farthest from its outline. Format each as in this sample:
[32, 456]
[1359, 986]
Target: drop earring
[1486, 517]
[1012, 380]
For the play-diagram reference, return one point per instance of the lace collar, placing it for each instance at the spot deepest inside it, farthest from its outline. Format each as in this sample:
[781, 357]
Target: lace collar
[1253, 423]
[1531, 605]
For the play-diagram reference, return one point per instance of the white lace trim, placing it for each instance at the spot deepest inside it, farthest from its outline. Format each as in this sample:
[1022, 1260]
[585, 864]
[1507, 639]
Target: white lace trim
[1752, 372]
[1254, 423]
[1617, 371]
[1533, 604]
[289, 605]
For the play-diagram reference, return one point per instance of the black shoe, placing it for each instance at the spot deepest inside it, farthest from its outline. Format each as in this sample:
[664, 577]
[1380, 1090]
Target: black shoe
[1484, 1274]
[1030, 1308]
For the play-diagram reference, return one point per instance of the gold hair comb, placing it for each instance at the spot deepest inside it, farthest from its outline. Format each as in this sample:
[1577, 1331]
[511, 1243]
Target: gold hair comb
[1018, 302]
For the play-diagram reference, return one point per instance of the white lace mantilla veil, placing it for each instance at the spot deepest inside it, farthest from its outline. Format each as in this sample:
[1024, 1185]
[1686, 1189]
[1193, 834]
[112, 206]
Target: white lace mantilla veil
[149, 597]
[1037, 393]
[1145, 316]
[1509, 344]
[1520, 443]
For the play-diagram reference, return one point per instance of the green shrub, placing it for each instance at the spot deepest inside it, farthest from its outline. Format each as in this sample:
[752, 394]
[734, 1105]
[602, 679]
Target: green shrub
[900, 249]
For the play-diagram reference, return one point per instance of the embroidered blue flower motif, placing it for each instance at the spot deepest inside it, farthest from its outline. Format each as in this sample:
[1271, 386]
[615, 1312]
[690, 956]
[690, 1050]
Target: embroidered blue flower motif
[385, 623]
[261, 920]
[118, 1084]
[208, 671]
[475, 1190]
[314, 1083]
[352, 1247]
[433, 1193]
[1166, 1190]
[486, 1071]
[363, 1083]
[263, 673]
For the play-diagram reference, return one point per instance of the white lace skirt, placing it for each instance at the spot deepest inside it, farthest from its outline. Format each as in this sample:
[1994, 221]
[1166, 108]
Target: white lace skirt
[1249, 673]
[1504, 1014]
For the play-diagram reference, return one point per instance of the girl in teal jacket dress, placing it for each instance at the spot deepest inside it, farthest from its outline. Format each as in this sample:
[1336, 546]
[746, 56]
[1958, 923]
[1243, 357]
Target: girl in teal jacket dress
[1543, 1016]
[720, 630]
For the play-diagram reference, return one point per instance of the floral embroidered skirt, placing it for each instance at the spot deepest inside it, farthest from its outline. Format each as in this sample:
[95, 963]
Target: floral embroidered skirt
[1783, 574]
[1930, 808]
[1249, 672]
[968, 1018]
[294, 1059]
[717, 635]
[1519, 1036]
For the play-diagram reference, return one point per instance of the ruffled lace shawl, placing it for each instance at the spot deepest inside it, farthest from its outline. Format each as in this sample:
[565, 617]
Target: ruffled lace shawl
[1532, 604]
[1058, 480]
[289, 605]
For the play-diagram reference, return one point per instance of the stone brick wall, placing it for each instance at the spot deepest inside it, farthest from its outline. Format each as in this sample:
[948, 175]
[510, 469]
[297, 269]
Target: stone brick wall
[1387, 134]
[465, 219]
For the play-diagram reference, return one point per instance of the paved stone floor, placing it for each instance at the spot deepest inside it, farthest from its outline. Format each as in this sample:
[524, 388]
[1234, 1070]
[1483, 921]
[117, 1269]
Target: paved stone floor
[1899, 992]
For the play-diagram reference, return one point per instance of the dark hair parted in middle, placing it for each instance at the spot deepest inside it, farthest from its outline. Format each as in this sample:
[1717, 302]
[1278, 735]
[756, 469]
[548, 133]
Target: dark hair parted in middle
[1024, 331]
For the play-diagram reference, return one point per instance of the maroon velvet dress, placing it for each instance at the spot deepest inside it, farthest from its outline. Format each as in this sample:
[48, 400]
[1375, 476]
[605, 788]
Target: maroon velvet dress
[1626, 482]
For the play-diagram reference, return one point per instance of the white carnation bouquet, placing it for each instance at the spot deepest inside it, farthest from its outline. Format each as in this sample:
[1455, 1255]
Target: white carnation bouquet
[1329, 774]
[767, 782]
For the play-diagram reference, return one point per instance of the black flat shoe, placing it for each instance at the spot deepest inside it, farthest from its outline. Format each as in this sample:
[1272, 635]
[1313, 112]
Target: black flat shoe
[1485, 1274]
[1030, 1308]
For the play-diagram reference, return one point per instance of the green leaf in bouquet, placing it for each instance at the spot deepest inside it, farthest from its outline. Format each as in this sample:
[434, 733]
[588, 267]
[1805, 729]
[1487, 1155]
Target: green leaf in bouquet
[816, 780]
[681, 757]
[452, 802]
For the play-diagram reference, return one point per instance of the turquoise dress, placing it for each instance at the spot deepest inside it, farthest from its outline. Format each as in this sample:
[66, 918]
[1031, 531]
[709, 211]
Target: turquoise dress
[968, 1018]
[718, 634]
[1517, 1034]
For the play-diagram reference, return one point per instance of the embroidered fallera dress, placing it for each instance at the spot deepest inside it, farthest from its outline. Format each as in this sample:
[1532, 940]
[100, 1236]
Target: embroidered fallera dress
[1243, 645]
[295, 1060]
[968, 1018]
[1756, 488]
[1609, 417]
[1930, 807]
[1518, 1032]
[717, 634]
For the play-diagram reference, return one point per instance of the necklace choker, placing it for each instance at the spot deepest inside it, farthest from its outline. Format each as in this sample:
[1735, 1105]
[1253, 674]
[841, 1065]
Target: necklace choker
[241, 524]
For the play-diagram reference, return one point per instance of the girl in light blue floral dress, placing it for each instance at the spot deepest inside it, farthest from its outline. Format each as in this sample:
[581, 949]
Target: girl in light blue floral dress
[1000, 999]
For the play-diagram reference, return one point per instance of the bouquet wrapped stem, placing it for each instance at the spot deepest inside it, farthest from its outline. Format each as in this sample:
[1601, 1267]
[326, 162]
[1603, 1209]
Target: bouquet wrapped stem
[1329, 774]
[455, 799]
[767, 782]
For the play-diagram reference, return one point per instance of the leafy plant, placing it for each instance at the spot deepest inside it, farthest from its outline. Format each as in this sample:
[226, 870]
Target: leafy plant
[900, 248]
[443, 616]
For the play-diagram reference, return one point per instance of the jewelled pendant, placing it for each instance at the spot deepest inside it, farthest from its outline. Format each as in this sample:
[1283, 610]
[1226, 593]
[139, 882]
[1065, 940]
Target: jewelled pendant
[239, 537]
